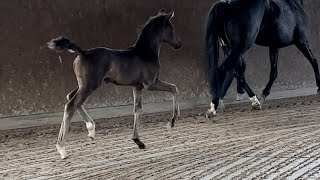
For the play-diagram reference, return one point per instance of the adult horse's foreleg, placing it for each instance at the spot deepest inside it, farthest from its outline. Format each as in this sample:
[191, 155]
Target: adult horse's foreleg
[273, 53]
[303, 45]
[160, 85]
[74, 103]
[85, 116]
[137, 110]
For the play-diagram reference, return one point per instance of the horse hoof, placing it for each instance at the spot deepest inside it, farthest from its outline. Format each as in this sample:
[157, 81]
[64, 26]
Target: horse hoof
[62, 152]
[318, 91]
[262, 98]
[241, 97]
[170, 125]
[142, 146]
[139, 143]
[91, 130]
[221, 105]
[210, 114]
[256, 105]
[92, 135]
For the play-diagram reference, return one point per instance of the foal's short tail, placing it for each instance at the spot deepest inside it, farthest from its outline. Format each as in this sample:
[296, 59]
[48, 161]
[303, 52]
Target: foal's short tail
[62, 43]
[212, 47]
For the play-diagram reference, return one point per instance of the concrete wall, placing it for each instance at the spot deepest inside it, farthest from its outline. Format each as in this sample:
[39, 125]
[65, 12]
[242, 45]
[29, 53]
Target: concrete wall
[32, 80]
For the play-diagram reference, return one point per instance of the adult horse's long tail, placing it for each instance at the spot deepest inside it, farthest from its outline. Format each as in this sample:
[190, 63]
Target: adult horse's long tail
[212, 48]
[63, 43]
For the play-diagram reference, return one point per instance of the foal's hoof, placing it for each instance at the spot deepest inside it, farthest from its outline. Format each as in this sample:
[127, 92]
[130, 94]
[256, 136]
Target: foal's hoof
[91, 130]
[92, 135]
[139, 143]
[318, 91]
[61, 151]
[170, 125]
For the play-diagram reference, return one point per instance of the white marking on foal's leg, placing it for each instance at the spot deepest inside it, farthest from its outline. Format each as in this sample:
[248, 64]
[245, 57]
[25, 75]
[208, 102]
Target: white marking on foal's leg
[255, 102]
[61, 151]
[91, 130]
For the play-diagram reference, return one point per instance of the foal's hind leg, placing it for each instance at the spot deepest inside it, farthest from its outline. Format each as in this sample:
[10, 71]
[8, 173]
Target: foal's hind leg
[137, 110]
[85, 116]
[160, 85]
[74, 103]
[303, 46]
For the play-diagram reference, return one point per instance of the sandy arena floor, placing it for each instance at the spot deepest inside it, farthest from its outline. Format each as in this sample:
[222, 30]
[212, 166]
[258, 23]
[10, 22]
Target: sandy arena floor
[281, 141]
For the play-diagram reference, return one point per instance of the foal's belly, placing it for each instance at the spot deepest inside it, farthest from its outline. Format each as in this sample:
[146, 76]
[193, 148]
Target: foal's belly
[130, 74]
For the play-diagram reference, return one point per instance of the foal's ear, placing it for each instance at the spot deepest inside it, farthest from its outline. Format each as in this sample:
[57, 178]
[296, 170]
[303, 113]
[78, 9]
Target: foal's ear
[161, 11]
[170, 15]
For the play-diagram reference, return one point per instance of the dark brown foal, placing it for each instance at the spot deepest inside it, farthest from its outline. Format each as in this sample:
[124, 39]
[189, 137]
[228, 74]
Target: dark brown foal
[138, 67]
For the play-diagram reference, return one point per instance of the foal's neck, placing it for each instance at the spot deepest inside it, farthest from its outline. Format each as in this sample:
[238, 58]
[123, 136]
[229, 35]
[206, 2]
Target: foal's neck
[148, 46]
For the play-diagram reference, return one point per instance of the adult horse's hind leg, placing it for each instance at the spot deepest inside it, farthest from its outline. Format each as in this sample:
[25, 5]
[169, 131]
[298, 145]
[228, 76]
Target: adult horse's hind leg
[85, 116]
[303, 46]
[240, 71]
[160, 85]
[137, 110]
[241, 78]
[273, 54]
[74, 103]
[228, 67]
[241, 86]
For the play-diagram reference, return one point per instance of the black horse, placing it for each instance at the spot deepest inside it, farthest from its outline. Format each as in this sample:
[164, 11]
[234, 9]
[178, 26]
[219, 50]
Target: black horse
[237, 25]
[138, 67]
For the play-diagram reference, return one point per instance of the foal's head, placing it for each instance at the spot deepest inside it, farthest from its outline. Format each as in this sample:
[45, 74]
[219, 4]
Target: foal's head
[160, 26]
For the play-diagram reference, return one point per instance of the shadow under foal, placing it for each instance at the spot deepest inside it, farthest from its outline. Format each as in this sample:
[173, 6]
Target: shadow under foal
[138, 67]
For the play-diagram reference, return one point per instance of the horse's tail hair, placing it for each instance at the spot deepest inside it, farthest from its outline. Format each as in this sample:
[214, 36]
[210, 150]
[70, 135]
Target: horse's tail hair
[212, 48]
[63, 43]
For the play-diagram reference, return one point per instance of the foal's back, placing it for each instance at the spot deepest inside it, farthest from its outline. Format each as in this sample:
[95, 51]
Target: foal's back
[121, 67]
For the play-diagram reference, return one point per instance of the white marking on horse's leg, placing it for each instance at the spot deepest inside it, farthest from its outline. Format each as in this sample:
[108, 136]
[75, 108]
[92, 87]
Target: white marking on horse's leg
[241, 97]
[255, 102]
[211, 110]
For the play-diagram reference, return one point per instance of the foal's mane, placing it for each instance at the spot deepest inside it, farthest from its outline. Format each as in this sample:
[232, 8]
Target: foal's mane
[145, 37]
[153, 20]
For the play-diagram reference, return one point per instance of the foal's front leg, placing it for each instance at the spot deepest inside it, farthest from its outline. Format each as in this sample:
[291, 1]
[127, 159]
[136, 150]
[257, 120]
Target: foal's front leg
[160, 85]
[137, 110]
